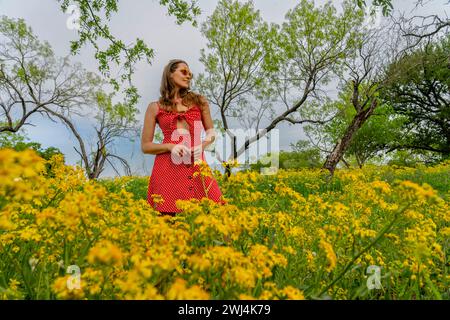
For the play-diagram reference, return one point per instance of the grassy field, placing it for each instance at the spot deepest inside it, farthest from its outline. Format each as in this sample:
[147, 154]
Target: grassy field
[372, 233]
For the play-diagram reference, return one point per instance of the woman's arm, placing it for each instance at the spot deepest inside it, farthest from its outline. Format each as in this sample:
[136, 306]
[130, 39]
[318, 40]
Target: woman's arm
[207, 124]
[148, 132]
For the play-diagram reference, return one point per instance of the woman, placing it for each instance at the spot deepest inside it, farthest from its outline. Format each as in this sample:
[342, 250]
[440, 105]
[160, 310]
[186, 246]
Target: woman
[181, 114]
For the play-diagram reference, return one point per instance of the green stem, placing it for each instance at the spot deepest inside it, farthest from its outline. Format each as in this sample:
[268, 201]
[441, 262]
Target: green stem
[380, 234]
[273, 204]
[204, 186]
[25, 281]
[51, 200]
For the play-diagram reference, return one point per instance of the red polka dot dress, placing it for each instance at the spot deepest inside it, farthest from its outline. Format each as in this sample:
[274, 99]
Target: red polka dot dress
[173, 178]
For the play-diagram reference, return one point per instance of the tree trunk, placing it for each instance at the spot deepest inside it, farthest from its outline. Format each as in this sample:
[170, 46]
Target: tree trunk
[227, 170]
[234, 156]
[339, 149]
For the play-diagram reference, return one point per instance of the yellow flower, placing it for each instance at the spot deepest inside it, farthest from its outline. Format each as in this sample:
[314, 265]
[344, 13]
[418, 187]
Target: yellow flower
[230, 164]
[383, 186]
[424, 192]
[310, 256]
[157, 198]
[13, 284]
[179, 291]
[289, 250]
[331, 256]
[105, 252]
[293, 293]
[199, 262]
[243, 296]
[243, 277]
[63, 291]
[6, 224]
[230, 250]
[202, 168]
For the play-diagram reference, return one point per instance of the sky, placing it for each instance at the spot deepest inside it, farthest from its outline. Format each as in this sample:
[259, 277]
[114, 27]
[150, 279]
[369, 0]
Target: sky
[148, 20]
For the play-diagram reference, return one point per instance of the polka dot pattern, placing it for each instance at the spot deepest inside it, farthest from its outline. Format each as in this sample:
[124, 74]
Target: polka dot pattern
[171, 180]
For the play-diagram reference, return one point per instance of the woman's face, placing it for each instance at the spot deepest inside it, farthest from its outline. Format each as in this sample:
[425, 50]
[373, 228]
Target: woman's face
[182, 76]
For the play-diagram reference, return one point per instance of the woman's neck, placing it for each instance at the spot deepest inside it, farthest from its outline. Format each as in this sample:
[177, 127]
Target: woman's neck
[176, 98]
[177, 94]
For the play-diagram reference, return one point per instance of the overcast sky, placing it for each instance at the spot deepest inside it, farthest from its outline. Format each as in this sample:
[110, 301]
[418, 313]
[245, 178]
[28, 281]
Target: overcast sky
[148, 20]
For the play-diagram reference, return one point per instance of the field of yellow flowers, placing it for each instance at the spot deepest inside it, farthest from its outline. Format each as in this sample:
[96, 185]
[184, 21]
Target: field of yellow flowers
[375, 233]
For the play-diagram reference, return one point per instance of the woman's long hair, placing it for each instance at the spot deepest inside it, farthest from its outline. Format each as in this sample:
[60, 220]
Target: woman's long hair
[167, 89]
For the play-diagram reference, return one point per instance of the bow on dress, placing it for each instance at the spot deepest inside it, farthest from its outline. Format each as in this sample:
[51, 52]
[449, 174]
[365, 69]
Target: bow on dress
[188, 116]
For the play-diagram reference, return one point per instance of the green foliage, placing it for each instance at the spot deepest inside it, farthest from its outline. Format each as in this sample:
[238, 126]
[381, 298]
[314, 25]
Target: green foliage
[238, 42]
[296, 160]
[386, 5]
[34, 81]
[118, 113]
[375, 134]
[420, 91]
[18, 142]
[256, 62]
[318, 39]
[94, 30]
[138, 186]
[302, 156]
[23, 36]
[414, 158]
[370, 140]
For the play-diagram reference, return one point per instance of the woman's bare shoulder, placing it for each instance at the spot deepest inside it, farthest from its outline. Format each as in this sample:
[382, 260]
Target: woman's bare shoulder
[203, 103]
[202, 99]
[153, 107]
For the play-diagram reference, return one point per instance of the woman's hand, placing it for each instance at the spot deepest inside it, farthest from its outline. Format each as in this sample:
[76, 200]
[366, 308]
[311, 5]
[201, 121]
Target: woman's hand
[197, 152]
[179, 150]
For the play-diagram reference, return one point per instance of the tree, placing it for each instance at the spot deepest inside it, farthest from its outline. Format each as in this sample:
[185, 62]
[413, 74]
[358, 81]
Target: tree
[291, 160]
[92, 27]
[385, 5]
[366, 77]
[33, 80]
[419, 28]
[238, 40]
[368, 142]
[375, 134]
[421, 92]
[112, 122]
[253, 61]
[303, 155]
[307, 155]
[19, 142]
